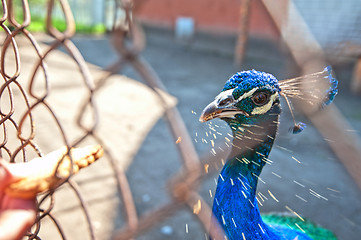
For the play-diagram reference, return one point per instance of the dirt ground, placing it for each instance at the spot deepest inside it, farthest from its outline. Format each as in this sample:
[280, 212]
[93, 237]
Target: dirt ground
[194, 72]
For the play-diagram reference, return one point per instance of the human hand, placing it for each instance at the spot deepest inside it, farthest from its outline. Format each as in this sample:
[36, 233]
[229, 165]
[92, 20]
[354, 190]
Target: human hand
[21, 182]
[16, 215]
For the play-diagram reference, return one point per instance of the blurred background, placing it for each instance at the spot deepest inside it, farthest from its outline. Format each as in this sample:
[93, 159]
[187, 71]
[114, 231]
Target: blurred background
[135, 76]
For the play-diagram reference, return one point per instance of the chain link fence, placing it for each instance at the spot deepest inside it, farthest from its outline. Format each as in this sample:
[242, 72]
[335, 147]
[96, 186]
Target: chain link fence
[26, 96]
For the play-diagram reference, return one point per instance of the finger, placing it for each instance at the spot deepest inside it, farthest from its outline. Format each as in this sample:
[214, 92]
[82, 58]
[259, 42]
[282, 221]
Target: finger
[5, 174]
[10, 172]
[15, 222]
[5, 177]
[9, 203]
[16, 216]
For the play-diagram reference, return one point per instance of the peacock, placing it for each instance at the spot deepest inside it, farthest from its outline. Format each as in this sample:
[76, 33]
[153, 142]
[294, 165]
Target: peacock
[250, 104]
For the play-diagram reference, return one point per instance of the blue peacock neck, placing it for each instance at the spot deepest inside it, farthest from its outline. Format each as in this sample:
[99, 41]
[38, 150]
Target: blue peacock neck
[235, 203]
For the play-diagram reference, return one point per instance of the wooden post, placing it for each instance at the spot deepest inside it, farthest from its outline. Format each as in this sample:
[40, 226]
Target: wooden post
[356, 77]
[309, 55]
[242, 33]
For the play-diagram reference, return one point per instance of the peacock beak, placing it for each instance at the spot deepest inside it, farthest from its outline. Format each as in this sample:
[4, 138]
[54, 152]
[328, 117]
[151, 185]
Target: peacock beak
[214, 110]
[209, 112]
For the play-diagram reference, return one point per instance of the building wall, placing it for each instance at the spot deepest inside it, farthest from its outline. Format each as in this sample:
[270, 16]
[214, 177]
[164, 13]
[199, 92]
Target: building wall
[333, 24]
[209, 15]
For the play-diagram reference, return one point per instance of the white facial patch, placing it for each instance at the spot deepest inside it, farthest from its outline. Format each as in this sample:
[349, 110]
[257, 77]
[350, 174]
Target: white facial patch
[225, 95]
[247, 94]
[228, 93]
[265, 108]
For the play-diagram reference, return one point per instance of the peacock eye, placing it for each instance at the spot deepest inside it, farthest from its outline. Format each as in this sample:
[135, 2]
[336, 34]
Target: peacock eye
[260, 98]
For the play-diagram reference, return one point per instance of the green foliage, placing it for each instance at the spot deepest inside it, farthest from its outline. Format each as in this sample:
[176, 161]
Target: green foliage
[39, 26]
[313, 231]
[38, 23]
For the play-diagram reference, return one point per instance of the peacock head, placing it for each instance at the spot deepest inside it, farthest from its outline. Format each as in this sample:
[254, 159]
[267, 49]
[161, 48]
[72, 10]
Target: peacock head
[247, 98]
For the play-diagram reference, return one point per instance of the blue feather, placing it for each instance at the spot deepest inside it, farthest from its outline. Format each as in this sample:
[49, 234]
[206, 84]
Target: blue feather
[297, 128]
[244, 81]
[332, 91]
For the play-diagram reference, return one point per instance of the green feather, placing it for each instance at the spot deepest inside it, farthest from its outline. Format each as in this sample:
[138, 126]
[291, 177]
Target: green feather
[312, 230]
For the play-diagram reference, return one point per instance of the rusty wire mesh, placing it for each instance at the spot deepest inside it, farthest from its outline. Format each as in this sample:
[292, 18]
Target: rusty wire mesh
[183, 186]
